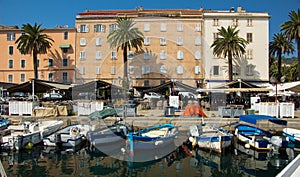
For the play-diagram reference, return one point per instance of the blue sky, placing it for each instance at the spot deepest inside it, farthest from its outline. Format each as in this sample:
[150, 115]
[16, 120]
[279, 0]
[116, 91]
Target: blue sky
[63, 12]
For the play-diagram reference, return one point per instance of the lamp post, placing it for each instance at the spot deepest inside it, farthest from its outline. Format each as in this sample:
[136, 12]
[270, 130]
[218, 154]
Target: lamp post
[275, 81]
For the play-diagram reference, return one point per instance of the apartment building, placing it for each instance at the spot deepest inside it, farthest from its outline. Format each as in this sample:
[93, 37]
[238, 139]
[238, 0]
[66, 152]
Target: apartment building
[252, 26]
[172, 47]
[57, 65]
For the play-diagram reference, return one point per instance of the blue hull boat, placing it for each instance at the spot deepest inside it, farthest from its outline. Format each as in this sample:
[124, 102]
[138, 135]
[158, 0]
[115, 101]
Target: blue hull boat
[152, 137]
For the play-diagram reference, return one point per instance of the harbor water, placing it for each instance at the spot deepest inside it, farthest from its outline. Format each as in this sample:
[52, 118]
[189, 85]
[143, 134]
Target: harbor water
[180, 161]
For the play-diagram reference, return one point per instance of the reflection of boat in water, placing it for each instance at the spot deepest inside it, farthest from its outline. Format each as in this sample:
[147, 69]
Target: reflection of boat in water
[212, 160]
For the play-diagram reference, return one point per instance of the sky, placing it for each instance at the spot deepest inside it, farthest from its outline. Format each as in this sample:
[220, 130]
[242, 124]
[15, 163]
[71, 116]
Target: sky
[63, 12]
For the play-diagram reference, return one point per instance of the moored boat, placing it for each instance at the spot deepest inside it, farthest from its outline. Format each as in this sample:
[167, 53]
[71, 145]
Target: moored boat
[211, 138]
[70, 136]
[152, 137]
[292, 135]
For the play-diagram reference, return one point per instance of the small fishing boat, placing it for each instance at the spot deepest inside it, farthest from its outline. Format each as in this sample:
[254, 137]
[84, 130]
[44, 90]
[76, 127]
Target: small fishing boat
[70, 136]
[257, 138]
[4, 123]
[28, 133]
[292, 135]
[153, 137]
[211, 138]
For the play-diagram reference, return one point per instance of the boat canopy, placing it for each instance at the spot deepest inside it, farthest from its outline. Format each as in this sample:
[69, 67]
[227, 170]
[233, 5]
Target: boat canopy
[253, 119]
[103, 114]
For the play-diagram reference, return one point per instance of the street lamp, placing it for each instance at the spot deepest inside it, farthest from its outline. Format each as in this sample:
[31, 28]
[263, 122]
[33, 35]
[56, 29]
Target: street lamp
[275, 81]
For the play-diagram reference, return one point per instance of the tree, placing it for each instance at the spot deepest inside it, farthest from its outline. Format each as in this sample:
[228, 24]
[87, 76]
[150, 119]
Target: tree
[126, 37]
[229, 44]
[278, 46]
[33, 42]
[291, 29]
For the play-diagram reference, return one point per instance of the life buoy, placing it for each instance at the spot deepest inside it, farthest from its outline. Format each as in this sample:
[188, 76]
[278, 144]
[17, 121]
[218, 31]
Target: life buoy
[74, 131]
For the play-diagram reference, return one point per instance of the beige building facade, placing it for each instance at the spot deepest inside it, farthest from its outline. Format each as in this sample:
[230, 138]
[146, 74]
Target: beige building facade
[172, 47]
[58, 65]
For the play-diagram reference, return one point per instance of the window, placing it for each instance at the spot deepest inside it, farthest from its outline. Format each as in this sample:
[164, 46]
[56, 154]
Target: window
[98, 55]
[66, 35]
[146, 83]
[23, 63]
[65, 77]
[216, 22]
[179, 69]
[198, 27]
[163, 41]
[146, 41]
[179, 41]
[83, 28]
[130, 55]
[82, 41]
[249, 54]
[197, 41]
[145, 69]
[146, 27]
[249, 70]
[131, 69]
[98, 69]
[99, 28]
[249, 37]
[10, 78]
[235, 70]
[82, 55]
[112, 27]
[235, 22]
[215, 36]
[179, 54]
[98, 41]
[197, 55]
[163, 54]
[216, 71]
[64, 50]
[11, 36]
[50, 76]
[64, 62]
[50, 62]
[113, 70]
[163, 27]
[38, 63]
[114, 55]
[10, 63]
[10, 50]
[197, 70]
[147, 54]
[82, 70]
[179, 27]
[163, 69]
[22, 77]
[249, 22]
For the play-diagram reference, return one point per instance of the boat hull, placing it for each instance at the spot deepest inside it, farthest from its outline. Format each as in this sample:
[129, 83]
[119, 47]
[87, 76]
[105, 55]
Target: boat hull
[253, 137]
[216, 143]
[292, 135]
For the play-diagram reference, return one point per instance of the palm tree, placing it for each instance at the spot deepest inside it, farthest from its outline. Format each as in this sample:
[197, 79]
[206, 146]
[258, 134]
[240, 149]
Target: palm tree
[280, 45]
[291, 29]
[126, 37]
[34, 42]
[229, 44]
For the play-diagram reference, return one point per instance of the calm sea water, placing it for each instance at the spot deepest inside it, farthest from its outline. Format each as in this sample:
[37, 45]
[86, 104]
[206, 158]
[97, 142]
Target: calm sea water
[182, 161]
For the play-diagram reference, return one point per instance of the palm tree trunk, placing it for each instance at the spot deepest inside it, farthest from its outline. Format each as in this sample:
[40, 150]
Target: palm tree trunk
[230, 67]
[298, 51]
[35, 64]
[279, 66]
[125, 80]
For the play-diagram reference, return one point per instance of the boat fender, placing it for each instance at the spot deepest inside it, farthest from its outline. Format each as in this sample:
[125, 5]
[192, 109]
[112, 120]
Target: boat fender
[247, 146]
[158, 143]
[74, 131]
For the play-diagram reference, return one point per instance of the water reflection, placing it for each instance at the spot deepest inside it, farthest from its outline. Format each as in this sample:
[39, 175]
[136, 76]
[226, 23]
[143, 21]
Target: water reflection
[183, 161]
